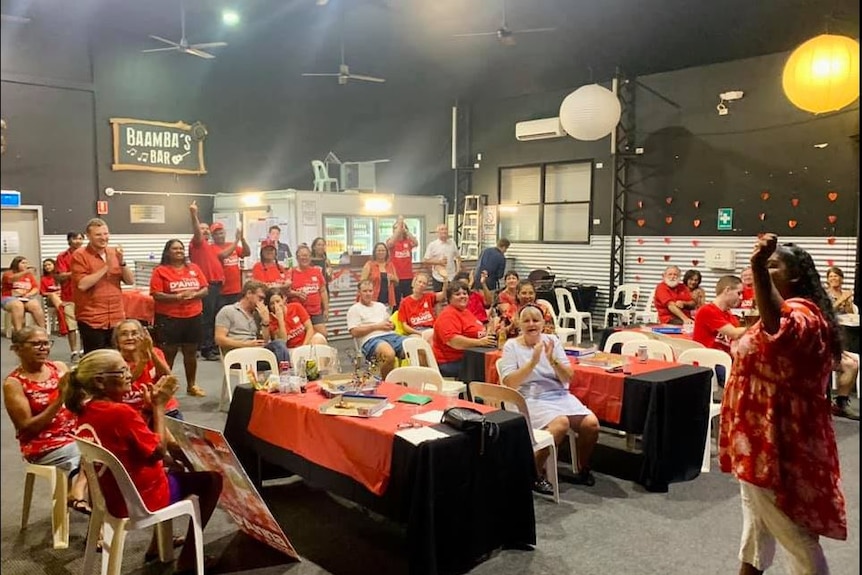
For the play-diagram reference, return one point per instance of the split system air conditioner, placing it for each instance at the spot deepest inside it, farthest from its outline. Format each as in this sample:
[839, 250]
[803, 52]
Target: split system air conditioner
[539, 129]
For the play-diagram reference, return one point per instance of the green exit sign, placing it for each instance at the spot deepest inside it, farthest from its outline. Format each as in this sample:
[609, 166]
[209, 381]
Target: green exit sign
[725, 219]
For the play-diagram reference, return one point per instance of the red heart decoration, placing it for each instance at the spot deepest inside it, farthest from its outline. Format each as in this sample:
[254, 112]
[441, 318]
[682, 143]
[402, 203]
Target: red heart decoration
[830, 241]
[761, 216]
[335, 294]
[764, 195]
[637, 279]
[695, 262]
[640, 205]
[335, 312]
[640, 241]
[832, 196]
[668, 219]
[697, 203]
[667, 240]
[832, 219]
[696, 223]
[641, 223]
[830, 263]
[794, 202]
[695, 243]
[335, 331]
[640, 259]
[666, 258]
[668, 200]
[792, 224]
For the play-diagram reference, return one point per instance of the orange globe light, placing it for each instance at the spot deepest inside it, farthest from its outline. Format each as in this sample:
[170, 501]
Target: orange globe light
[822, 75]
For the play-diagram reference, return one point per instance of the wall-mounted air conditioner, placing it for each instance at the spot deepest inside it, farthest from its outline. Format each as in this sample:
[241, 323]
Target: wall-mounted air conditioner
[539, 129]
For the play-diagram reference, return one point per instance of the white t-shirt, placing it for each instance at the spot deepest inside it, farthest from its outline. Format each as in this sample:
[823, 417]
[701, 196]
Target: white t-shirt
[360, 314]
[437, 250]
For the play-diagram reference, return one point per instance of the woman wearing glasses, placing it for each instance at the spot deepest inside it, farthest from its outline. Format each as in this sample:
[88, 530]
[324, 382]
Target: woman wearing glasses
[95, 392]
[33, 397]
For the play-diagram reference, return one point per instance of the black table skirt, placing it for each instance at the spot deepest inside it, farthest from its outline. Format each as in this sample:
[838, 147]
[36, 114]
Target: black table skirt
[850, 335]
[457, 505]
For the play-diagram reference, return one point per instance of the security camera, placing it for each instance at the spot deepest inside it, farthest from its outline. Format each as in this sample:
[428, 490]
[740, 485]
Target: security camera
[732, 95]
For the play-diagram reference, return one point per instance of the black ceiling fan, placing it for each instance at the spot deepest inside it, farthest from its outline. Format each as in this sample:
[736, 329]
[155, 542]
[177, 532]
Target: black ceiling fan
[504, 34]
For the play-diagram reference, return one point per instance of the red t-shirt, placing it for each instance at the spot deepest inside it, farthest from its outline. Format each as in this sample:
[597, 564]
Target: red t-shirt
[135, 396]
[295, 317]
[418, 312]
[709, 319]
[121, 429]
[452, 322]
[48, 284]
[205, 255]
[273, 275]
[310, 282]
[24, 283]
[232, 274]
[401, 255]
[476, 304]
[64, 266]
[664, 295]
[747, 301]
[170, 280]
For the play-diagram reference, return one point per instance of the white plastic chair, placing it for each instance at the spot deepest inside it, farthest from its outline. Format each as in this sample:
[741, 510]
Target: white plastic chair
[645, 310]
[564, 333]
[419, 378]
[114, 529]
[327, 357]
[244, 356]
[419, 354]
[322, 181]
[569, 311]
[58, 484]
[655, 349]
[709, 358]
[622, 337]
[631, 293]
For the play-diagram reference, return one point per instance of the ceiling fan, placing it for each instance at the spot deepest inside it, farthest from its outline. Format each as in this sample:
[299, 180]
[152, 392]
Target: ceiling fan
[504, 34]
[183, 45]
[344, 74]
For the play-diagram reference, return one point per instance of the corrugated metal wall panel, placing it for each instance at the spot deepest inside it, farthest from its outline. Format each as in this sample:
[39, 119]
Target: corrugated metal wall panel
[135, 246]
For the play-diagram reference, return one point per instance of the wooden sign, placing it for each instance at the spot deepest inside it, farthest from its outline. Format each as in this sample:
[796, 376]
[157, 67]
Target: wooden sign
[149, 146]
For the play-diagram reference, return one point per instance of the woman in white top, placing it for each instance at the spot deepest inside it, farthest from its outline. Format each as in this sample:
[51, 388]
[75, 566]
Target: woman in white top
[536, 365]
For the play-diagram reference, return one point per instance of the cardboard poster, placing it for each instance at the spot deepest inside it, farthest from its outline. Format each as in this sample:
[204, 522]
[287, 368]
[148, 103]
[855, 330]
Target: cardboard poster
[208, 450]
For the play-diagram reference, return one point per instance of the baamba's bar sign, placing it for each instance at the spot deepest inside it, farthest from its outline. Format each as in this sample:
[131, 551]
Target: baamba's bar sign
[149, 146]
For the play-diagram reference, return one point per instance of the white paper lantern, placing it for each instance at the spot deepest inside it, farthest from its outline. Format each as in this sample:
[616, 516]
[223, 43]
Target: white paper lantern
[590, 112]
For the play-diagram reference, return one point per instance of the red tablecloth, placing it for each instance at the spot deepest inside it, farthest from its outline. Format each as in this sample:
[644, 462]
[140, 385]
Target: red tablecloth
[600, 390]
[358, 447]
[138, 305]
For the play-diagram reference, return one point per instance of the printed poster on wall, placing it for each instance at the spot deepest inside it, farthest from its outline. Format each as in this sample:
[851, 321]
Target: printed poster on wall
[208, 450]
[489, 225]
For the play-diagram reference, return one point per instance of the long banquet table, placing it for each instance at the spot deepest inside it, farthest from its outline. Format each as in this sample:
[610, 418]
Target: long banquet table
[457, 505]
[666, 403]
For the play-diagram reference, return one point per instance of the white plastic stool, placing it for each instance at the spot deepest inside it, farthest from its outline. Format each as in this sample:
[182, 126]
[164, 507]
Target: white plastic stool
[59, 485]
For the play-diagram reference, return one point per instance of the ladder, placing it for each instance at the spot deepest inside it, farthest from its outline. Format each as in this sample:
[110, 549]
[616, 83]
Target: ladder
[471, 227]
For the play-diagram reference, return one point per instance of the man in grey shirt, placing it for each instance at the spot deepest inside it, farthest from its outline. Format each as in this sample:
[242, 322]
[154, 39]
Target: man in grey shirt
[246, 323]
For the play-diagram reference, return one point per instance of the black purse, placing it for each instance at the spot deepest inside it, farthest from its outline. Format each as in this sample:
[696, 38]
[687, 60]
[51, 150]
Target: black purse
[469, 420]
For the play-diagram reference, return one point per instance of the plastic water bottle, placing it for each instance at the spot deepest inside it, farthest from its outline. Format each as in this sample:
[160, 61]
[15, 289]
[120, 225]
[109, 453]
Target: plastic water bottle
[284, 377]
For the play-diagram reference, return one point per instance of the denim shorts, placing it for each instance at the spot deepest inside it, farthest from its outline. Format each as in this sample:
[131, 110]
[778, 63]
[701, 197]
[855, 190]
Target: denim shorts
[393, 339]
[67, 458]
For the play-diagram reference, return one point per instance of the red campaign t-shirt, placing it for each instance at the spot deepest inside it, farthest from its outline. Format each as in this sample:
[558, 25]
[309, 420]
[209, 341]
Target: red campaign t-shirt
[295, 317]
[452, 322]
[135, 396]
[170, 280]
[205, 255]
[64, 266]
[401, 254]
[418, 312]
[664, 295]
[709, 319]
[476, 304]
[121, 429]
[232, 274]
[747, 301]
[310, 282]
[24, 283]
[48, 284]
[273, 275]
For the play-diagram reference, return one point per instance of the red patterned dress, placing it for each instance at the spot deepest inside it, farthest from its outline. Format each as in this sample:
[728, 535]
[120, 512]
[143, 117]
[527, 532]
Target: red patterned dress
[776, 420]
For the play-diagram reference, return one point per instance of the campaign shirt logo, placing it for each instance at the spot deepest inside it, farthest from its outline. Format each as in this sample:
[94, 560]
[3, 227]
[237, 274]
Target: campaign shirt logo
[193, 273]
[425, 305]
[183, 285]
[422, 318]
[296, 319]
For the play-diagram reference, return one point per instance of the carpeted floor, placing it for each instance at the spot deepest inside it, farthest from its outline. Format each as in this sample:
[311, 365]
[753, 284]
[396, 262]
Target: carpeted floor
[612, 528]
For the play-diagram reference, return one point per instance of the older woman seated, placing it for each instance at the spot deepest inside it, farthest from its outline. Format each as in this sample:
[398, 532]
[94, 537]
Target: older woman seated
[455, 330]
[536, 365]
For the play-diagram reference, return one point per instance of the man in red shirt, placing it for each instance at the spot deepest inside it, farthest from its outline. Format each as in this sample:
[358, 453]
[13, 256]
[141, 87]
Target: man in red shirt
[64, 277]
[747, 301]
[206, 256]
[401, 244]
[672, 299]
[229, 254]
[714, 325]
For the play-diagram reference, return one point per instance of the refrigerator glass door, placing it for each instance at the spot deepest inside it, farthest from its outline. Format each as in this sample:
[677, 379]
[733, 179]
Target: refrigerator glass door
[335, 232]
[362, 235]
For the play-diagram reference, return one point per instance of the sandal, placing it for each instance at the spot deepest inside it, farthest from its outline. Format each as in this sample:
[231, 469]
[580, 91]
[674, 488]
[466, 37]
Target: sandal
[195, 391]
[177, 541]
[80, 506]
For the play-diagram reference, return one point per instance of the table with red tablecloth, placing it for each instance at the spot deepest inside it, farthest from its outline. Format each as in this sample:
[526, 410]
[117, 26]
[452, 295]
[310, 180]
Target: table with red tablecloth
[139, 305]
[666, 403]
[444, 490]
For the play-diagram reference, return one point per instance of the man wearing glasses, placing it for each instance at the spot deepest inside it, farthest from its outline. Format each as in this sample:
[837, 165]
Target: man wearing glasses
[246, 323]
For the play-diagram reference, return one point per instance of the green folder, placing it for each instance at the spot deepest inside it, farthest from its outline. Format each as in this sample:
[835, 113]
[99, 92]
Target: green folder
[414, 398]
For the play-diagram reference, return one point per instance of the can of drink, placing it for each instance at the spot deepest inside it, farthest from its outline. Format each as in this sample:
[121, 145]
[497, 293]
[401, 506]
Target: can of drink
[643, 354]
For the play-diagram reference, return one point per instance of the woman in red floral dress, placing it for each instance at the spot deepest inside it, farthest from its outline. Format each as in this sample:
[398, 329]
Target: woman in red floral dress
[776, 419]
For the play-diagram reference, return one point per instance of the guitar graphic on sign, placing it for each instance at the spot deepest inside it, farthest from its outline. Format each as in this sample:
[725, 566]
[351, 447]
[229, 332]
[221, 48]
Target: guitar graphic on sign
[177, 158]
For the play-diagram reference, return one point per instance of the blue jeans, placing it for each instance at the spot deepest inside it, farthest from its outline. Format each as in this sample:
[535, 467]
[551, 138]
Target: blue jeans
[394, 340]
[451, 369]
[279, 348]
